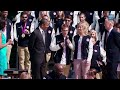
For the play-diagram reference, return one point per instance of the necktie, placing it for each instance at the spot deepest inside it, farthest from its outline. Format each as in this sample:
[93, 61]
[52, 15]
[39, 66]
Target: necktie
[43, 34]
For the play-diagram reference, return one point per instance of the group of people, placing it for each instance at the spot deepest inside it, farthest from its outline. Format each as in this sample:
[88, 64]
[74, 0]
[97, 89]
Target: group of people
[85, 41]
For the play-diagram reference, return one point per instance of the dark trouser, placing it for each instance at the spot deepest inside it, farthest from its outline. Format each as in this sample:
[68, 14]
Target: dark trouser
[38, 70]
[111, 70]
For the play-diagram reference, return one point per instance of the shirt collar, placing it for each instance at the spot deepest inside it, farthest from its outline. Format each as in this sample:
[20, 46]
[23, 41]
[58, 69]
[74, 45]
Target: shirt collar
[41, 30]
[110, 30]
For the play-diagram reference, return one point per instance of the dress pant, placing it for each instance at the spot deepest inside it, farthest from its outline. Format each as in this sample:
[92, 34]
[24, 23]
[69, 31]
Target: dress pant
[9, 47]
[80, 68]
[111, 70]
[24, 56]
[38, 70]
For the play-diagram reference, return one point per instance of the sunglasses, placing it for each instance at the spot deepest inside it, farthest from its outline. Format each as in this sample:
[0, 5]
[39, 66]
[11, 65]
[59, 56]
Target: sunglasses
[68, 20]
[24, 17]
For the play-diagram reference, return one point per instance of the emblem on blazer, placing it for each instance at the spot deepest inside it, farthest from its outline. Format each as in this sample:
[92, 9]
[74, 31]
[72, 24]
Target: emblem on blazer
[71, 32]
[87, 39]
[54, 13]
[10, 24]
[71, 13]
[30, 20]
[27, 27]
[58, 41]
[19, 27]
[23, 35]
[90, 13]
[95, 50]
[49, 31]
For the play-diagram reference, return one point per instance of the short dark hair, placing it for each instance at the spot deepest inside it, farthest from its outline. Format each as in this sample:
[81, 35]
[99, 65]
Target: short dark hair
[42, 21]
[68, 16]
[2, 23]
[23, 13]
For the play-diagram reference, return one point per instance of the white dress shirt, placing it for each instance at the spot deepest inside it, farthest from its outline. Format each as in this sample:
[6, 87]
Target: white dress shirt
[79, 48]
[63, 59]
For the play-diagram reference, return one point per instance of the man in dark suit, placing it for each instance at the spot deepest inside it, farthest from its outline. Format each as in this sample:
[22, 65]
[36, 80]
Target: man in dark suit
[112, 49]
[37, 49]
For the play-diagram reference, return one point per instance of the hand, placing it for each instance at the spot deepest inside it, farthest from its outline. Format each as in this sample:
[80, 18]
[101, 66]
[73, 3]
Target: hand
[62, 44]
[10, 42]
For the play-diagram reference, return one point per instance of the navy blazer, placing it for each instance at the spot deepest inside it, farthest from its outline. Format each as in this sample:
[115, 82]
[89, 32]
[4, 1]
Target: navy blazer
[113, 47]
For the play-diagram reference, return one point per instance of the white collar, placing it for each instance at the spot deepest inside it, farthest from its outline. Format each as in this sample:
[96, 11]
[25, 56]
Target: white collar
[110, 30]
[41, 30]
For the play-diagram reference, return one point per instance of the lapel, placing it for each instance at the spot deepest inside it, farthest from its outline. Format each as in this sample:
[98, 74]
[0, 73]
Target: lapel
[40, 35]
[110, 34]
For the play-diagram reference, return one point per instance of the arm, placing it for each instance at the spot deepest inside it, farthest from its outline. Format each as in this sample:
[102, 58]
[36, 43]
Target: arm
[31, 41]
[70, 45]
[12, 33]
[2, 45]
[90, 51]
[15, 32]
[32, 28]
[117, 39]
[54, 46]
[103, 54]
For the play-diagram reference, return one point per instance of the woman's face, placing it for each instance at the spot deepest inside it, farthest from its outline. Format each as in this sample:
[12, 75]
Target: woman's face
[80, 29]
[93, 34]
[60, 13]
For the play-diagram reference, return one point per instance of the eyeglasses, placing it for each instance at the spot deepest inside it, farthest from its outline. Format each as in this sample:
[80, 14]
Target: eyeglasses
[64, 30]
[68, 20]
[24, 17]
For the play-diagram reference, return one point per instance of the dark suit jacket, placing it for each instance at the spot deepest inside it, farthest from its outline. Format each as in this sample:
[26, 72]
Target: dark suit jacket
[36, 47]
[113, 47]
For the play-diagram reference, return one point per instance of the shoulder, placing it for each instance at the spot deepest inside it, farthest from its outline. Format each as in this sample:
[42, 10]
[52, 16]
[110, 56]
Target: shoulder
[9, 20]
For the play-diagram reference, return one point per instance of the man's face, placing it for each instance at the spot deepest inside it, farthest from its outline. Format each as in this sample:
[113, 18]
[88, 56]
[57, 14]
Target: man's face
[106, 13]
[45, 26]
[47, 18]
[5, 14]
[65, 31]
[24, 18]
[82, 17]
[107, 24]
[68, 21]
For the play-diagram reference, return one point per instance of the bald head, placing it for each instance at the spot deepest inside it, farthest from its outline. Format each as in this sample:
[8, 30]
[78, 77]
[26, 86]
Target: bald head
[59, 68]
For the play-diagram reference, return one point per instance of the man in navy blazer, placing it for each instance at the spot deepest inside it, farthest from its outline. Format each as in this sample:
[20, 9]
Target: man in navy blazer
[112, 49]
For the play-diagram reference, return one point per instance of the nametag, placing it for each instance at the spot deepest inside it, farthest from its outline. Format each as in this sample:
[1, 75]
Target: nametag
[27, 27]
[30, 20]
[71, 13]
[90, 13]
[95, 50]
[87, 39]
[10, 24]
[49, 31]
[71, 32]
[54, 13]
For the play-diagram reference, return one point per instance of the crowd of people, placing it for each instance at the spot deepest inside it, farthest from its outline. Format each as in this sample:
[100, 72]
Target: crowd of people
[86, 42]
